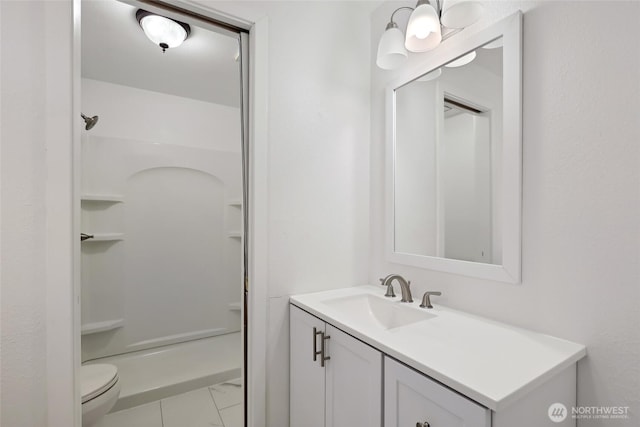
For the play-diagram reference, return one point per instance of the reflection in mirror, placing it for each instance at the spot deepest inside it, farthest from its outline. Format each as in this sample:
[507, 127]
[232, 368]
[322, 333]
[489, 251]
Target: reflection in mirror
[448, 157]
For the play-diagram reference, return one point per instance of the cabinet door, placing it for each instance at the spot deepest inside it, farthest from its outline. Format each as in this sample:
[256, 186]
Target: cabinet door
[354, 382]
[411, 398]
[306, 375]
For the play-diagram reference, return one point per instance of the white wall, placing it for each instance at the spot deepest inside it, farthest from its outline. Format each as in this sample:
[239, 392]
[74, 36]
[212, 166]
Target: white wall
[143, 115]
[581, 236]
[23, 187]
[36, 373]
[318, 162]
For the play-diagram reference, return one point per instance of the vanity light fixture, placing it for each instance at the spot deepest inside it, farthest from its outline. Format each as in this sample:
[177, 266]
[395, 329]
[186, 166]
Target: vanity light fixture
[162, 31]
[424, 29]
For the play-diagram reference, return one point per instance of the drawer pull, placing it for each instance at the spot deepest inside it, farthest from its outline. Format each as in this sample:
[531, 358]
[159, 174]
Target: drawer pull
[424, 424]
[315, 346]
[322, 349]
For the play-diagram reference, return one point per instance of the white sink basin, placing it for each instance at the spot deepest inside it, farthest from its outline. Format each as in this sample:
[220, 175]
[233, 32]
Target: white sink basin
[387, 314]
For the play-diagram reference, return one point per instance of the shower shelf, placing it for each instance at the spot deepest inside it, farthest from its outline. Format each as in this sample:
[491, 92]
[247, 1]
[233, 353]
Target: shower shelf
[108, 198]
[235, 234]
[105, 237]
[96, 327]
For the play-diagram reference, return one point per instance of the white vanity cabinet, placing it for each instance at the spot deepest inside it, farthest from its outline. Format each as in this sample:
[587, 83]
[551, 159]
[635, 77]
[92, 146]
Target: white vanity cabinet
[336, 380]
[307, 387]
[412, 399]
[388, 364]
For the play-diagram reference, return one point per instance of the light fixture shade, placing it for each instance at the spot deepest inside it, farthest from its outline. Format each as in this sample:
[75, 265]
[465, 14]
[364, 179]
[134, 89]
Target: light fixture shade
[460, 13]
[162, 31]
[463, 60]
[423, 29]
[391, 50]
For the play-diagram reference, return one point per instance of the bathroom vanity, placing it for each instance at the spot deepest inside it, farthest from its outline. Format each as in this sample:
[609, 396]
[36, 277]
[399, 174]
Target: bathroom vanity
[453, 199]
[360, 359]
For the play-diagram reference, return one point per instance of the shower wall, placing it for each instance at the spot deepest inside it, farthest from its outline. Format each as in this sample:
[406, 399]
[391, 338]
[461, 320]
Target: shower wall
[161, 194]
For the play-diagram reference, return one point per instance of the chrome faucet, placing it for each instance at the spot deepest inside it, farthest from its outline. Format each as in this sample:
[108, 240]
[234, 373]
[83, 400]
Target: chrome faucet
[404, 287]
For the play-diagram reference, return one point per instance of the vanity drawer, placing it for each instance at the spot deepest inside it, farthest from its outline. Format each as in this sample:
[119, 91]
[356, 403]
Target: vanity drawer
[412, 399]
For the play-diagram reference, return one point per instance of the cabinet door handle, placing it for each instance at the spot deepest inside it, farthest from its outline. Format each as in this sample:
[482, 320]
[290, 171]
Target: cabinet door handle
[322, 349]
[315, 346]
[424, 424]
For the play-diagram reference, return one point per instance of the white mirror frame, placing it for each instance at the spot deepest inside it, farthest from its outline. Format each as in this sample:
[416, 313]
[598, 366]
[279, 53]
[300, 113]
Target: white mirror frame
[510, 29]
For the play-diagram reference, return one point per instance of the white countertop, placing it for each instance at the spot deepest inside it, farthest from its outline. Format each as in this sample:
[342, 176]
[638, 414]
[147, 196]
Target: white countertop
[490, 362]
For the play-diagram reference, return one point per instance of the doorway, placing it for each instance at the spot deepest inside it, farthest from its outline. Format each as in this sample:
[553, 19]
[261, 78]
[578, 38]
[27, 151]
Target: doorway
[163, 202]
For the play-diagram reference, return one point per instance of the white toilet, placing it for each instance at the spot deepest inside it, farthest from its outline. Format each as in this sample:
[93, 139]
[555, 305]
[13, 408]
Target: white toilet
[100, 390]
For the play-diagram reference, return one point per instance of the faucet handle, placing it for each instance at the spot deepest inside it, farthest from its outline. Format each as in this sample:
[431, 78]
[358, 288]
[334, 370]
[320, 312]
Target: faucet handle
[426, 301]
[390, 293]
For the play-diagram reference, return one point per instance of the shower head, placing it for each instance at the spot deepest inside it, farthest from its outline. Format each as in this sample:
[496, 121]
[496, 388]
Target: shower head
[89, 121]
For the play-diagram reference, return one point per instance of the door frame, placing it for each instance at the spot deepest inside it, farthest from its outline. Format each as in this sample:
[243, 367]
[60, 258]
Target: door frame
[63, 356]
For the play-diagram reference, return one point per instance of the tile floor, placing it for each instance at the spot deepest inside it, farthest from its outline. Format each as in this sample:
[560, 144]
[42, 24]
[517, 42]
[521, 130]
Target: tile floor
[217, 405]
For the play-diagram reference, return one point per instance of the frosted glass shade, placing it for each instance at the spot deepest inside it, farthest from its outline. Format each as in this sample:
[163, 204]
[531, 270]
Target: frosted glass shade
[423, 29]
[463, 60]
[460, 13]
[391, 50]
[161, 30]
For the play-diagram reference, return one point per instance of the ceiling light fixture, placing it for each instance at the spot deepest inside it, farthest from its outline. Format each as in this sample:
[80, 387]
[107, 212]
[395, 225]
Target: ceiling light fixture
[424, 29]
[162, 31]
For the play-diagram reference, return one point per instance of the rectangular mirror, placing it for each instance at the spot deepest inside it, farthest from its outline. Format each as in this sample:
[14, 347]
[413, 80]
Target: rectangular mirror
[454, 157]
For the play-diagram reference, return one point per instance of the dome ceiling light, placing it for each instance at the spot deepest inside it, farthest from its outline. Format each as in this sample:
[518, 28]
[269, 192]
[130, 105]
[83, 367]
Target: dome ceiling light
[162, 31]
